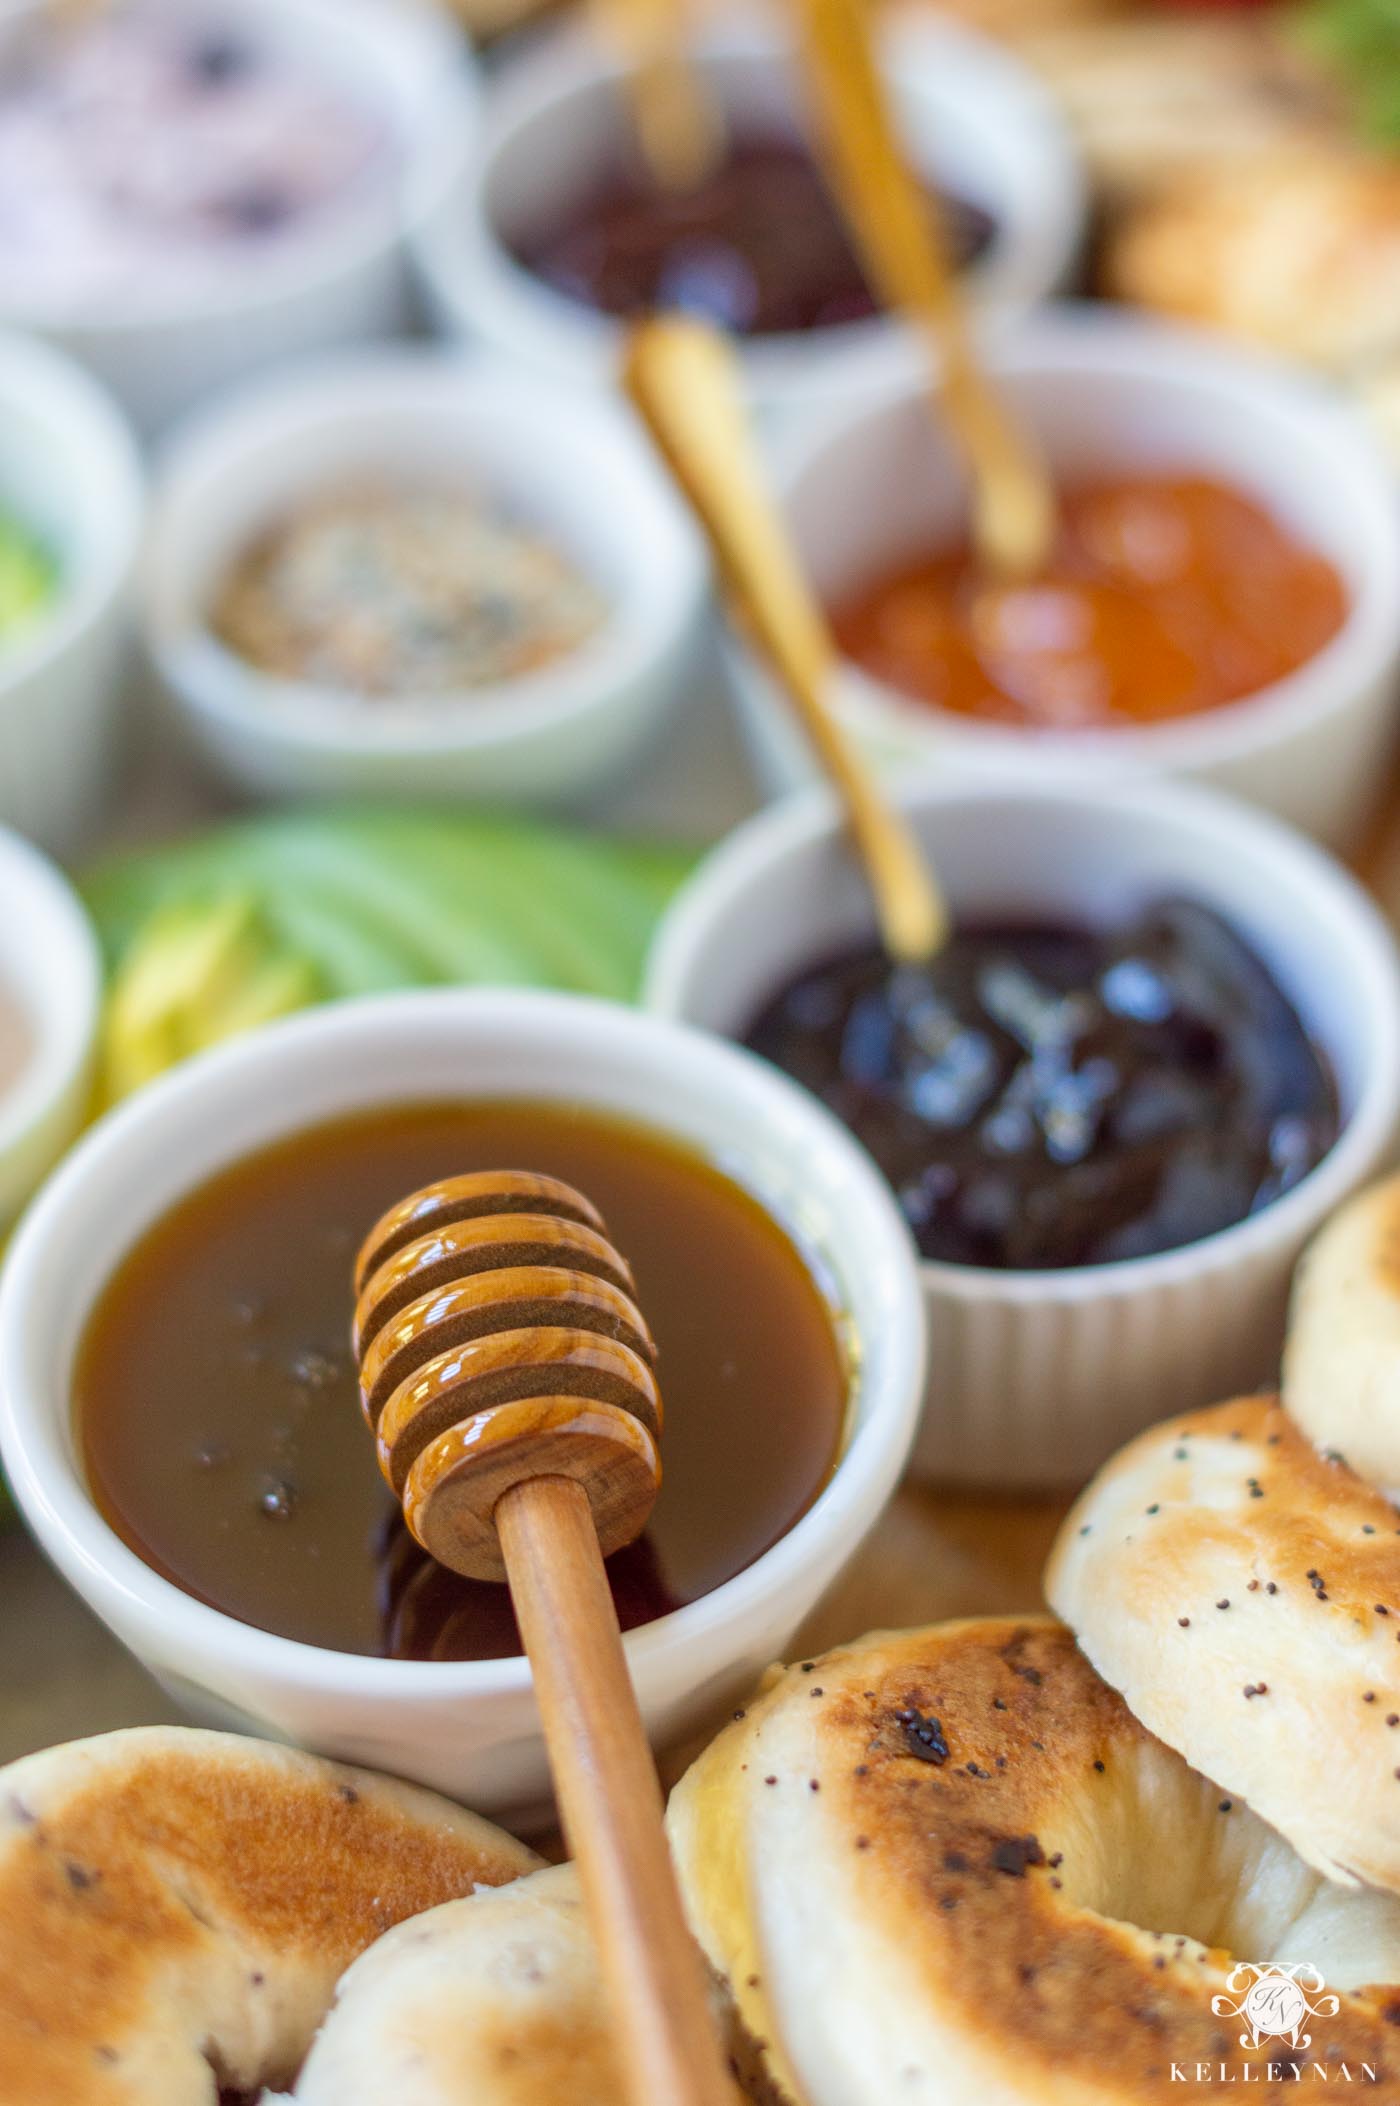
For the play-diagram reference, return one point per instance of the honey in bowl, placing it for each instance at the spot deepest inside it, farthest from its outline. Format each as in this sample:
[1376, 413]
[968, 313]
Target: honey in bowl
[219, 1421]
[1165, 597]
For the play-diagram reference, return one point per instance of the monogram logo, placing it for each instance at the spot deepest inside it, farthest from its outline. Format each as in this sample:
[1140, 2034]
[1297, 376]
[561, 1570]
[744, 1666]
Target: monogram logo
[1275, 2001]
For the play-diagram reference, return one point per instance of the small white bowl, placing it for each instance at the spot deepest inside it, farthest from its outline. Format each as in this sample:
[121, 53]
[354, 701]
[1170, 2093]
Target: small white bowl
[344, 280]
[1036, 1377]
[576, 468]
[49, 966]
[69, 471]
[471, 1728]
[867, 485]
[974, 117]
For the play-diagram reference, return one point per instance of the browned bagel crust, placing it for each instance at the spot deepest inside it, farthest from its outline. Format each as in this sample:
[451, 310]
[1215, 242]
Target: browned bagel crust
[163, 1887]
[1341, 1363]
[941, 1791]
[1242, 1589]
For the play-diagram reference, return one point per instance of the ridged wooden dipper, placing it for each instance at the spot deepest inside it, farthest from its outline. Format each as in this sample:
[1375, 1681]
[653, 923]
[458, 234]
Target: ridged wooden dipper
[507, 1376]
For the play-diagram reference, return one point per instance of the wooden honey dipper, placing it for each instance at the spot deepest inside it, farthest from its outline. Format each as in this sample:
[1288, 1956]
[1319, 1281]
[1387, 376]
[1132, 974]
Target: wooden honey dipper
[506, 1373]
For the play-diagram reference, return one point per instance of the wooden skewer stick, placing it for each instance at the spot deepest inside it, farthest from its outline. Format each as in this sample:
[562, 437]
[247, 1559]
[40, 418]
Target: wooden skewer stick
[506, 1373]
[682, 376]
[678, 121]
[895, 225]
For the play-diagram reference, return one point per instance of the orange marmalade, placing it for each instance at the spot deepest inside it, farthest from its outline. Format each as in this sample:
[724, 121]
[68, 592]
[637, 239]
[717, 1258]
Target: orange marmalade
[1164, 597]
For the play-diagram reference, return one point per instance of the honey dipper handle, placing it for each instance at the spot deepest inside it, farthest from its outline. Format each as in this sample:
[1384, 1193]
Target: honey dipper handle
[609, 1796]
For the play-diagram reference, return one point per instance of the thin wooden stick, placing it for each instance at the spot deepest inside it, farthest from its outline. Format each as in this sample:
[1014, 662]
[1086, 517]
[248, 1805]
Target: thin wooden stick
[679, 125]
[609, 1796]
[896, 228]
[681, 376]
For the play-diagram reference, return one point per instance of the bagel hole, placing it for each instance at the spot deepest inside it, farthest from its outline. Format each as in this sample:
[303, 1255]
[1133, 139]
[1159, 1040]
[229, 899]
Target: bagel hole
[1156, 1845]
[235, 2095]
[278, 2094]
[276, 2090]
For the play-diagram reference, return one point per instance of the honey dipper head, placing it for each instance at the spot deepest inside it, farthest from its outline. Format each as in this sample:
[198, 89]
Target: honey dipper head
[498, 1340]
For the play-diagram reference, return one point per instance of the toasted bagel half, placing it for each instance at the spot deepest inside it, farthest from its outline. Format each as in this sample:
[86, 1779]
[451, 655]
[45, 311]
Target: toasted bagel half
[496, 1999]
[950, 1865]
[1242, 1590]
[493, 2001]
[176, 1908]
[1341, 1363]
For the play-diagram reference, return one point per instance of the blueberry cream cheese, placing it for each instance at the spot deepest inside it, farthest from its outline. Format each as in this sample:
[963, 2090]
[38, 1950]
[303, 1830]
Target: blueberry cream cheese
[1053, 1096]
[146, 148]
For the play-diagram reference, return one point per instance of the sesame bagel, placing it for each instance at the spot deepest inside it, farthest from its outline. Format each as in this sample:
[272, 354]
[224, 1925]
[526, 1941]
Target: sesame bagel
[496, 1999]
[1242, 1590]
[176, 1908]
[950, 1865]
[1341, 1365]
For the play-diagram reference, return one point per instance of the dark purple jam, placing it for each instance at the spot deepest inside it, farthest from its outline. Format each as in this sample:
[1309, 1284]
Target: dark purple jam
[1043, 1097]
[759, 247]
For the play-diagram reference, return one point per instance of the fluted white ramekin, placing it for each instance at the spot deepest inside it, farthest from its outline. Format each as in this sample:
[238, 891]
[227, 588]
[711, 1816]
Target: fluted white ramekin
[69, 471]
[973, 115]
[470, 1727]
[1035, 1377]
[868, 484]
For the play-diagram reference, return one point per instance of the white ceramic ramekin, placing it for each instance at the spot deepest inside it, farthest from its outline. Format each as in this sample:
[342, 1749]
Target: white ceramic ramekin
[49, 966]
[470, 1729]
[867, 485]
[972, 115]
[574, 467]
[1035, 1377]
[347, 279]
[68, 470]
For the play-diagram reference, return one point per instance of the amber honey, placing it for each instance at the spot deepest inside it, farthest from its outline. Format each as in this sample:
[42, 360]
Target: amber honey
[219, 1422]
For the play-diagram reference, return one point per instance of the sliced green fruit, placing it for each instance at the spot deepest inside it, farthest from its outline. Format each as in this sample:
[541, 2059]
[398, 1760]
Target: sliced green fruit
[197, 973]
[266, 915]
[28, 578]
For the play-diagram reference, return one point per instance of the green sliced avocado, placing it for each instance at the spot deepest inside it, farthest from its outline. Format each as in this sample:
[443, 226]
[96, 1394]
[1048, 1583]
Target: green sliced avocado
[266, 915]
[197, 973]
[28, 578]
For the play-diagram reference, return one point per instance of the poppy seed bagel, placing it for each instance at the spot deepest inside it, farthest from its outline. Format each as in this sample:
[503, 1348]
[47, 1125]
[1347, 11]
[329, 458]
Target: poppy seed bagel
[950, 1865]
